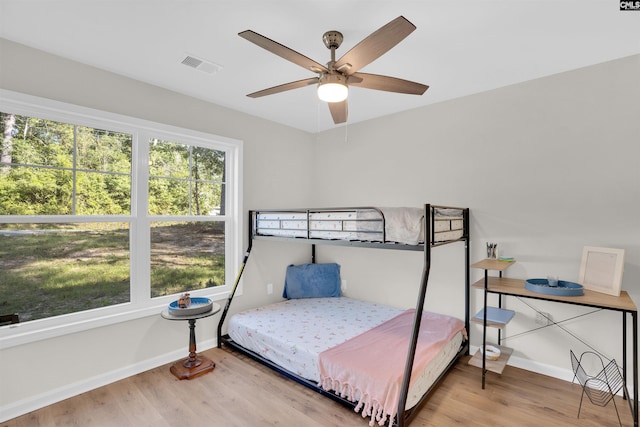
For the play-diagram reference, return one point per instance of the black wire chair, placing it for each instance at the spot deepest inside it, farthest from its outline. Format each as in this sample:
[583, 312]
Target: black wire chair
[599, 388]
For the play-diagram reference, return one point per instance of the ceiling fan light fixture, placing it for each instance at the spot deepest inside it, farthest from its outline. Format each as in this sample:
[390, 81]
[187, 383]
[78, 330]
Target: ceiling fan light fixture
[333, 88]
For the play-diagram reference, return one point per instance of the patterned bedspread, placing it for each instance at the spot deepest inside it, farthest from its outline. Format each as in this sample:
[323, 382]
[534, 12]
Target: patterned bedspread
[292, 333]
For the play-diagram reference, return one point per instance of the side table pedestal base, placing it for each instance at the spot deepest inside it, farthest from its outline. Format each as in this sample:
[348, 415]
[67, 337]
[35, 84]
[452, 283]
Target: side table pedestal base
[186, 369]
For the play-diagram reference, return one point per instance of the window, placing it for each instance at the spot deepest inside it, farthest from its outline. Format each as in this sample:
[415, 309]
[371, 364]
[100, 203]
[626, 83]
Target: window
[103, 214]
[185, 181]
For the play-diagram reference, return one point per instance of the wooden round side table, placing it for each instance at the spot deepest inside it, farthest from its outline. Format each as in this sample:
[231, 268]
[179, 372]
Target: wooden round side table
[194, 365]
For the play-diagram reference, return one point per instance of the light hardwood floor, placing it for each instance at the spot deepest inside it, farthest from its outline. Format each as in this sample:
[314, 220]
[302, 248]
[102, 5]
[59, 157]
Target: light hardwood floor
[240, 392]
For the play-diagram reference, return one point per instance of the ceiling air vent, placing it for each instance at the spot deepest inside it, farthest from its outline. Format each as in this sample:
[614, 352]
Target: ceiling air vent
[200, 64]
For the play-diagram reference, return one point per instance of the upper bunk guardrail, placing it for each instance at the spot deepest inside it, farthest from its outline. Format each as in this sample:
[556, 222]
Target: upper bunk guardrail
[355, 226]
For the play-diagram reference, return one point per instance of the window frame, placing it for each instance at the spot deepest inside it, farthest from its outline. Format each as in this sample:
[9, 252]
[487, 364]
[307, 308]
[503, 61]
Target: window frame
[141, 304]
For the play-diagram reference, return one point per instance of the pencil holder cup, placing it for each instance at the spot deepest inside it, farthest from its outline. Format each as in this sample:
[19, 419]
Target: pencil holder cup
[492, 250]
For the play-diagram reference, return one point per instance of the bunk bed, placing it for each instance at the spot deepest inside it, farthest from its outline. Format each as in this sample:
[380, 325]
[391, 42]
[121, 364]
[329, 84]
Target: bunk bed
[320, 366]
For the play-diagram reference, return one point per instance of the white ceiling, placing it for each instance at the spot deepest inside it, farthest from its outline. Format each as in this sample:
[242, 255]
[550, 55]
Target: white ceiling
[460, 47]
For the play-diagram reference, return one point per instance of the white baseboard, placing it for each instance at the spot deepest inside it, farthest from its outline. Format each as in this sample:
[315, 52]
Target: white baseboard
[21, 407]
[541, 368]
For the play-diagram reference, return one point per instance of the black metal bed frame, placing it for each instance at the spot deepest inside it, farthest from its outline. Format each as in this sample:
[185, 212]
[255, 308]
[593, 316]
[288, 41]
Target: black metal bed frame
[404, 416]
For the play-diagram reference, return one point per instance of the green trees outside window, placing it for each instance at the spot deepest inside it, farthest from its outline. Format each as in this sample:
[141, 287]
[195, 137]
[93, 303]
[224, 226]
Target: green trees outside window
[67, 209]
[53, 168]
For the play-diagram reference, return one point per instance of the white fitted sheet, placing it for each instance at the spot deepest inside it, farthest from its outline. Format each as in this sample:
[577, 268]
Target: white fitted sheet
[293, 333]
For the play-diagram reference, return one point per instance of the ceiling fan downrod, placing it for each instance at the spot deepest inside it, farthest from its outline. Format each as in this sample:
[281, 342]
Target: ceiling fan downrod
[332, 40]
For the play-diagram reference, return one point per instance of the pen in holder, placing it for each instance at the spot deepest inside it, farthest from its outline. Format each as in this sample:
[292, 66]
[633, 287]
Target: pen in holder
[492, 250]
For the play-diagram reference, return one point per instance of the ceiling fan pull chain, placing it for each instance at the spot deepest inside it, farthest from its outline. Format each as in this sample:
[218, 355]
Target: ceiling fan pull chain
[346, 133]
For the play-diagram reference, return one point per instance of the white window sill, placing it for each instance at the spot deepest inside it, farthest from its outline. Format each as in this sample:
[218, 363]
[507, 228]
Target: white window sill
[24, 333]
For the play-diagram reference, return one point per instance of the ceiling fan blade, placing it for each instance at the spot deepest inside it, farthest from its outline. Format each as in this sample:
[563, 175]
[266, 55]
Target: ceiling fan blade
[389, 84]
[375, 45]
[284, 87]
[283, 51]
[338, 111]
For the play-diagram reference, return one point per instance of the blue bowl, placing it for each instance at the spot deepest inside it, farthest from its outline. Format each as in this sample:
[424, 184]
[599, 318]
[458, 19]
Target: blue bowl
[564, 288]
[198, 305]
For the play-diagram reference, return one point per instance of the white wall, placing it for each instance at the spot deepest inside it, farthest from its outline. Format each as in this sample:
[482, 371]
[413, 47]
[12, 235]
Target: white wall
[546, 167]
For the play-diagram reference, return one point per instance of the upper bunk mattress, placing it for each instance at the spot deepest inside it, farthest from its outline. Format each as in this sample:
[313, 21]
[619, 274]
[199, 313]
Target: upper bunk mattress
[397, 225]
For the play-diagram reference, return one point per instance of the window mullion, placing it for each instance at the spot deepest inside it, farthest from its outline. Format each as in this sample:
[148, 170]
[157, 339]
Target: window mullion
[140, 238]
[74, 173]
[190, 180]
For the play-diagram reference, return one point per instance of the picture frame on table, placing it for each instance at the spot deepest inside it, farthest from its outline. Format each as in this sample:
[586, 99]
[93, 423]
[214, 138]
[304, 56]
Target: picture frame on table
[601, 269]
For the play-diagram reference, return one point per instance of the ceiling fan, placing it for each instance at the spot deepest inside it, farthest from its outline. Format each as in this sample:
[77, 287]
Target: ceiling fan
[334, 79]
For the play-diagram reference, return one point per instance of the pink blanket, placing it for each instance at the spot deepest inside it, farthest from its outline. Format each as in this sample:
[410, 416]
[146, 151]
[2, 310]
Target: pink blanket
[370, 366]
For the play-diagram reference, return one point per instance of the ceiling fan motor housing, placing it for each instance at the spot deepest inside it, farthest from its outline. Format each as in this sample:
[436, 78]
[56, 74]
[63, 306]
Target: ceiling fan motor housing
[335, 78]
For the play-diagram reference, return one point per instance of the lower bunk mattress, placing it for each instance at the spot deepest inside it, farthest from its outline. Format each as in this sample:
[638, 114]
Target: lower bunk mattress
[328, 340]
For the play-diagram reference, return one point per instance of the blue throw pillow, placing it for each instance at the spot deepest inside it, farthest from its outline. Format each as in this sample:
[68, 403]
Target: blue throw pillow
[312, 281]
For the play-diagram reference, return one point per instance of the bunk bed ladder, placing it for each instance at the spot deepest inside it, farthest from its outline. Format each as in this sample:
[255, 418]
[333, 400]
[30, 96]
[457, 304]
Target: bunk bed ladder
[467, 276]
[417, 319]
[237, 281]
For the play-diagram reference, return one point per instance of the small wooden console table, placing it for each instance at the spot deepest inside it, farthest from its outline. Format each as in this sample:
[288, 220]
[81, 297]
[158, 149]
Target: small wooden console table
[194, 365]
[623, 303]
